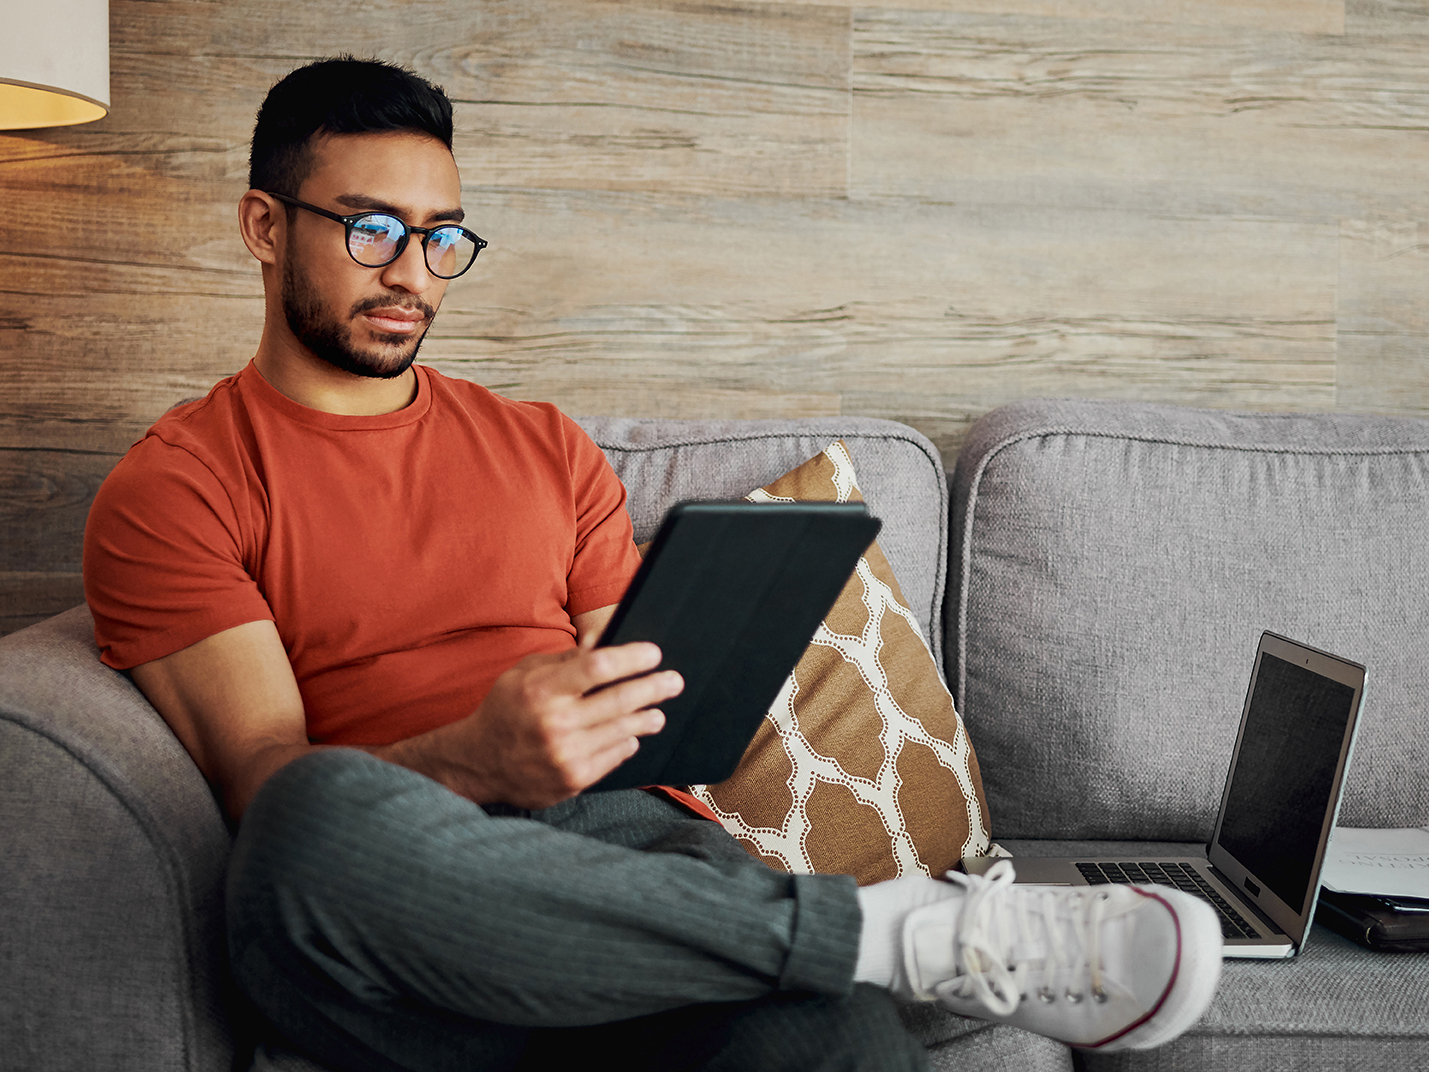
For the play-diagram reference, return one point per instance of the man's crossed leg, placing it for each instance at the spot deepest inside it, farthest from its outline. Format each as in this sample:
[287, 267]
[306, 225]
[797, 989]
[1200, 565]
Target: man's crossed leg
[383, 922]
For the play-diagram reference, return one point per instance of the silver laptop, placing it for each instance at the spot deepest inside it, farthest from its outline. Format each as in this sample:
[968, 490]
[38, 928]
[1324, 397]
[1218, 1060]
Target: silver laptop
[1261, 871]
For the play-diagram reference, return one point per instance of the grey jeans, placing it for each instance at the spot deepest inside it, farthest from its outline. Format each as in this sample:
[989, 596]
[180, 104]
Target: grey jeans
[381, 922]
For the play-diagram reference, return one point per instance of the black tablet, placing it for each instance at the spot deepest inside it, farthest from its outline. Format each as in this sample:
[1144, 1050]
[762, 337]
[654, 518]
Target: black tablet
[732, 592]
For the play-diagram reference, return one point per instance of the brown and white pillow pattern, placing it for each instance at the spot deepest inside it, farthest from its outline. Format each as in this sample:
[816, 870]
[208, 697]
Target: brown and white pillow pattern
[862, 765]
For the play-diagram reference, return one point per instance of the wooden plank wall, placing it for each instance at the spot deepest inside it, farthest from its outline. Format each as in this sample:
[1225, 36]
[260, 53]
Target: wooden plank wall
[910, 209]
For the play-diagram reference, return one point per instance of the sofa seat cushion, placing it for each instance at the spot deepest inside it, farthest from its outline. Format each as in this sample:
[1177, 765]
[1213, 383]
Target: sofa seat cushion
[1335, 1005]
[1114, 567]
[980, 1045]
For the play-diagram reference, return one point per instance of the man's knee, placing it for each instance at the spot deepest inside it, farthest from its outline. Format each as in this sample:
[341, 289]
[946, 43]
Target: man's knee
[308, 839]
[326, 783]
[326, 810]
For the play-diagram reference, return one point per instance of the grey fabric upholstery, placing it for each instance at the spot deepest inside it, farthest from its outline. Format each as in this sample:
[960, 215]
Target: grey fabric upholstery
[112, 854]
[1268, 1052]
[1001, 1049]
[1113, 568]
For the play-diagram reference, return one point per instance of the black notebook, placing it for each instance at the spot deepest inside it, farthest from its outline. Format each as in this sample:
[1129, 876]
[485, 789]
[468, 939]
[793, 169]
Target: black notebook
[732, 592]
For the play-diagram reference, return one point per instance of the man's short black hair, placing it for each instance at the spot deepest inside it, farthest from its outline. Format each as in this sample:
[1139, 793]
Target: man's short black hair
[338, 96]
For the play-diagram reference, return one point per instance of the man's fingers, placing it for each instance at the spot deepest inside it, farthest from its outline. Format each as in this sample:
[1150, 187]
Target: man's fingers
[657, 688]
[612, 743]
[635, 694]
[622, 660]
[602, 668]
[570, 719]
[653, 722]
[626, 727]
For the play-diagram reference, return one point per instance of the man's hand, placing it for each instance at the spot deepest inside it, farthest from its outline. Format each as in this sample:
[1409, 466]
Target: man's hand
[552, 725]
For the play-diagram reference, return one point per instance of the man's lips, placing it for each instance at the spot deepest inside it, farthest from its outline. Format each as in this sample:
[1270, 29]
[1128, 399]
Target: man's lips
[395, 320]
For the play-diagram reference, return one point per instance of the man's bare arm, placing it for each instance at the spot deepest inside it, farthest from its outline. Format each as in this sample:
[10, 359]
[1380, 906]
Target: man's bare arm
[591, 624]
[540, 736]
[233, 702]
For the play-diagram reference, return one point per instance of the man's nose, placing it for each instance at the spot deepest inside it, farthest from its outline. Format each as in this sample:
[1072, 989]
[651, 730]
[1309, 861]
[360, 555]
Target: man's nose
[409, 271]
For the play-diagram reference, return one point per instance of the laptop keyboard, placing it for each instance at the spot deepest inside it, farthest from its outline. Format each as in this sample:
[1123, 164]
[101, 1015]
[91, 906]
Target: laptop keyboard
[1181, 876]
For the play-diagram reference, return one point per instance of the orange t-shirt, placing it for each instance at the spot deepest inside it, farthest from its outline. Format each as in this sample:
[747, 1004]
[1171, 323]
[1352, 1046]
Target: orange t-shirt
[407, 559]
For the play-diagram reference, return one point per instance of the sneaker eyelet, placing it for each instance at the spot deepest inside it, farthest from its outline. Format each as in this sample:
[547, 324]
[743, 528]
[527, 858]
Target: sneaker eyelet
[1074, 997]
[1099, 996]
[1046, 996]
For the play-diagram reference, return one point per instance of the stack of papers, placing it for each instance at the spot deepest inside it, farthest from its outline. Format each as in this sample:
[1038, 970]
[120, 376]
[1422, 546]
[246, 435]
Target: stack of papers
[1381, 863]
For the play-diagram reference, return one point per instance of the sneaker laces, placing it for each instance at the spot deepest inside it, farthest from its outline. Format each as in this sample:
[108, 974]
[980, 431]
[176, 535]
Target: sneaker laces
[1001, 934]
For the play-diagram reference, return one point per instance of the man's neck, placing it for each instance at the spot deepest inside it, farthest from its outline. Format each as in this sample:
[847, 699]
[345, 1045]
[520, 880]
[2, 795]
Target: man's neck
[309, 381]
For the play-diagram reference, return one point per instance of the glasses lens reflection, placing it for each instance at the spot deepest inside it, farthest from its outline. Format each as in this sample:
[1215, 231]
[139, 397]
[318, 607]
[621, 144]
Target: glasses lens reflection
[377, 239]
[449, 251]
[373, 240]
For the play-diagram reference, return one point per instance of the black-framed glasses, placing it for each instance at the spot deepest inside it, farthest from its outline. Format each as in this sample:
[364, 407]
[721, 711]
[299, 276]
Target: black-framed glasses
[376, 239]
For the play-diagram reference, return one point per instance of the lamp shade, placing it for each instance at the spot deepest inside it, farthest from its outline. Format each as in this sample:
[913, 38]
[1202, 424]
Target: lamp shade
[54, 62]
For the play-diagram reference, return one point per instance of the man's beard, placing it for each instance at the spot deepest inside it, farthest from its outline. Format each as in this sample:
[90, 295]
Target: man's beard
[330, 340]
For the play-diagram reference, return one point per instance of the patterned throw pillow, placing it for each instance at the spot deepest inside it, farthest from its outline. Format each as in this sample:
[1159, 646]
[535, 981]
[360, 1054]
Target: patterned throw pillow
[861, 766]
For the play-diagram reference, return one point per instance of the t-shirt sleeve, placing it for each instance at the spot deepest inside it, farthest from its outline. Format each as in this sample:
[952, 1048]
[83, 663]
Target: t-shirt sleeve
[605, 557]
[164, 557]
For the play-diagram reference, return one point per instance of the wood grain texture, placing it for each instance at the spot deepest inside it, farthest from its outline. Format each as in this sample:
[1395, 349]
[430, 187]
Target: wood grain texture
[935, 305]
[45, 497]
[1383, 360]
[1384, 17]
[704, 98]
[27, 598]
[915, 209]
[1283, 16]
[1186, 121]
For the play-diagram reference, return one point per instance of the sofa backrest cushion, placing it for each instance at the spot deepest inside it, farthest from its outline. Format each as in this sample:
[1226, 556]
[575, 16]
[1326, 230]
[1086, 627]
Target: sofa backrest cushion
[1113, 567]
[900, 473]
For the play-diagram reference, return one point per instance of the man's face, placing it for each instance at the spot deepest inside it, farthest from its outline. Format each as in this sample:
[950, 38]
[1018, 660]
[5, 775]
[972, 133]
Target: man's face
[367, 321]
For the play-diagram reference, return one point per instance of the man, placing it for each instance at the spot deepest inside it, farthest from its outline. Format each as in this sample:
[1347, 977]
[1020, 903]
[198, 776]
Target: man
[365, 596]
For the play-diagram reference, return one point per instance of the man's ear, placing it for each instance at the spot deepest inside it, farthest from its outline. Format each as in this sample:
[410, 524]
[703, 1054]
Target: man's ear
[262, 221]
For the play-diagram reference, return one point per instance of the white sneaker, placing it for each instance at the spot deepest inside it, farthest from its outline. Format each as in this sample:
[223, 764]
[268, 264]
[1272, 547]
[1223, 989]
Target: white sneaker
[1100, 967]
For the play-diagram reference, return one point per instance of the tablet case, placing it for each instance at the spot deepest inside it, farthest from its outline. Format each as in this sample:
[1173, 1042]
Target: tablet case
[1386, 924]
[732, 592]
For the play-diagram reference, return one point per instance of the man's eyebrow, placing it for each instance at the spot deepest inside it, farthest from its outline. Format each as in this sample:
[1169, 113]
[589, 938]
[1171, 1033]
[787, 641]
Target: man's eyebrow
[365, 203]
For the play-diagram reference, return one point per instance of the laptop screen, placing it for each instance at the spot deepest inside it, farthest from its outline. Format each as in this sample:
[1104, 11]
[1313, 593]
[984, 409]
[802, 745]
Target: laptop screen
[1285, 772]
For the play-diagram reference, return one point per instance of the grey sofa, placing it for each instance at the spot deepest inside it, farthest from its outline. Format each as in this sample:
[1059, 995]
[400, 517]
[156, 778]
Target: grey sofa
[1093, 595]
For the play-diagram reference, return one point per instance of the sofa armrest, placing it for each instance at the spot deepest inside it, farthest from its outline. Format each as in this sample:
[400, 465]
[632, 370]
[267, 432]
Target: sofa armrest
[112, 860]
